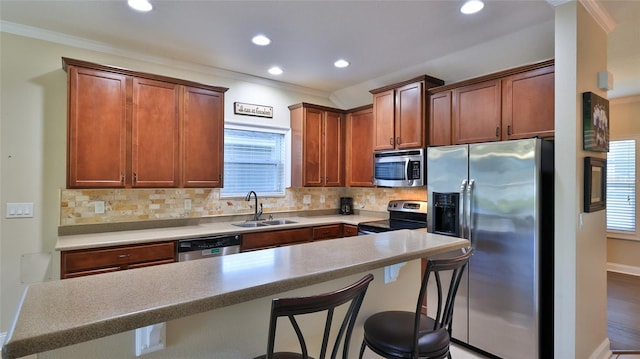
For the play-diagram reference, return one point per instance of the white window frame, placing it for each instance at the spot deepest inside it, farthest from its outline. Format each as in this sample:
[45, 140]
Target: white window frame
[268, 129]
[629, 235]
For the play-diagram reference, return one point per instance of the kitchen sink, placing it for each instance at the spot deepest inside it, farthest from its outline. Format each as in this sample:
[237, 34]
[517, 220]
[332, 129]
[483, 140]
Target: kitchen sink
[250, 224]
[278, 221]
[271, 222]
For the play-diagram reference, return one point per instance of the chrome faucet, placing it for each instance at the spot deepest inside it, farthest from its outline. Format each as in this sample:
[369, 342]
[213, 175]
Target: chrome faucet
[256, 213]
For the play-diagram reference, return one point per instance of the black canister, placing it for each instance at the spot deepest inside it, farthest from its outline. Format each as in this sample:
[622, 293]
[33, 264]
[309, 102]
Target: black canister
[346, 205]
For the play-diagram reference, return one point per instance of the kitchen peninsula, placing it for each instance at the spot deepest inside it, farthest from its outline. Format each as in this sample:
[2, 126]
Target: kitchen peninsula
[226, 292]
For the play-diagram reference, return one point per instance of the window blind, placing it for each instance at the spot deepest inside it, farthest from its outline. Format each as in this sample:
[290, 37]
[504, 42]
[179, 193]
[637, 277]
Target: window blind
[253, 161]
[621, 190]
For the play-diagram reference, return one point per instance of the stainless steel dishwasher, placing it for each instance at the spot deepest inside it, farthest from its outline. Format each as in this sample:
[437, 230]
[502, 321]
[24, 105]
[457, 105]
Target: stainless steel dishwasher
[208, 246]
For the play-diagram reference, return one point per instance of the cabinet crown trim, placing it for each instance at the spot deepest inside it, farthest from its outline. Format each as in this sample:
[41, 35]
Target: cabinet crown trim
[429, 80]
[123, 71]
[317, 107]
[493, 76]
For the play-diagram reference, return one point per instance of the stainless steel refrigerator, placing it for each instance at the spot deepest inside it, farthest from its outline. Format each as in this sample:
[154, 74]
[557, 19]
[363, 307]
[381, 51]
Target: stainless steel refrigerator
[499, 195]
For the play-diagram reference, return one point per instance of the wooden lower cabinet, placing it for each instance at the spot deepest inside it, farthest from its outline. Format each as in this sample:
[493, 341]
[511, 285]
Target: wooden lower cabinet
[270, 239]
[84, 262]
[327, 232]
[262, 240]
[349, 230]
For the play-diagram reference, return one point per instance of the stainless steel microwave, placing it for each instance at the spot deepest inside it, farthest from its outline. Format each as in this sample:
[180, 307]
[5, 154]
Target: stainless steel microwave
[399, 168]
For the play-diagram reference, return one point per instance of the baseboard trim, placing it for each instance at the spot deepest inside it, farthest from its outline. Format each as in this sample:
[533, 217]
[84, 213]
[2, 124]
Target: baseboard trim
[623, 268]
[603, 351]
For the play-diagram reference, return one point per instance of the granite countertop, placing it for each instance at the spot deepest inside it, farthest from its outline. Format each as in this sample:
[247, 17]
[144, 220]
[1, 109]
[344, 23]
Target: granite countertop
[94, 240]
[61, 313]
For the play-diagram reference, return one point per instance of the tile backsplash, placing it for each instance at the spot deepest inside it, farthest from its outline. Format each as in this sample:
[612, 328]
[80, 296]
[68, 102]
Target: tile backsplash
[78, 206]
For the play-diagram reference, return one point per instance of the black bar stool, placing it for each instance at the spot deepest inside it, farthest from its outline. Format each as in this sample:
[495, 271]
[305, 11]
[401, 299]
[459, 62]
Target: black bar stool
[292, 307]
[401, 334]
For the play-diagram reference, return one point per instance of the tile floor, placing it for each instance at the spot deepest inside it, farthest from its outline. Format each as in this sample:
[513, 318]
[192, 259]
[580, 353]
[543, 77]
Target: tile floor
[625, 356]
[459, 352]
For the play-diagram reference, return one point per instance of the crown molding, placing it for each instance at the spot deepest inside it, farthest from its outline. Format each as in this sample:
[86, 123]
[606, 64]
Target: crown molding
[600, 14]
[74, 41]
[595, 9]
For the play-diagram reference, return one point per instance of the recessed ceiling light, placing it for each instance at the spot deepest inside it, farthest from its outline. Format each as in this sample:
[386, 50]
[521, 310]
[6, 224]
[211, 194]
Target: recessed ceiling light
[471, 7]
[140, 5]
[341, 63]
[261, 40]
[275, 70]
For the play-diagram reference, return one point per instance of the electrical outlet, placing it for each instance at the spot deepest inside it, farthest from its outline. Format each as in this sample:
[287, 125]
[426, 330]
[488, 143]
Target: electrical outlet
[187, 204]
[306, 199]
[321, 198]
[98, 207]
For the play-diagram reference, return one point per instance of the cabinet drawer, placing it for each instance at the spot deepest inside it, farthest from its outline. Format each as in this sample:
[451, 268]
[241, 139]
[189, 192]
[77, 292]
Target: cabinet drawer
[349, 230]
[99, 260]
[275, 238]
[327, 232]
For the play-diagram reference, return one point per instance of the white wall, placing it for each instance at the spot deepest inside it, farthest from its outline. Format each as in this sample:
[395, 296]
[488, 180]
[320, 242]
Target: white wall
[580, 255]
[33, 145]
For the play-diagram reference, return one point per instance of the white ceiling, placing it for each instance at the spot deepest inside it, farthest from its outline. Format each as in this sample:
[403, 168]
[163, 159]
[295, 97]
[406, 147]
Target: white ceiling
[385, 41]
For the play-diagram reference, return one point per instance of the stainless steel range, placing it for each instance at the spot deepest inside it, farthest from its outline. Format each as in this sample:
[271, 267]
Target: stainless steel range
[403, 214]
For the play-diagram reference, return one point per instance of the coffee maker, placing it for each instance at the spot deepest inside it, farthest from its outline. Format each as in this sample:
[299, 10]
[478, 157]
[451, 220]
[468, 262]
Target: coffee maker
[346, 205]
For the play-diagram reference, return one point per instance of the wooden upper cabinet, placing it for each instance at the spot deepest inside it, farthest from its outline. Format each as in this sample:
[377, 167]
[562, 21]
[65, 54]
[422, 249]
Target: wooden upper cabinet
[409, 117]
[333, 149]
[476, 112]
[313, 174]
[511, 104]
[203, 153]
[440, 119]
[360, 130]
[155, 134]
[528, 104]
[317, 155]
[399, 114]
[384, 112]
[97, 128]
[133, 129]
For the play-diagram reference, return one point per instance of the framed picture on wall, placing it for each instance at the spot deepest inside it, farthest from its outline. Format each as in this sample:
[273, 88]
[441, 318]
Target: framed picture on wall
[595, 184]
[595, 123]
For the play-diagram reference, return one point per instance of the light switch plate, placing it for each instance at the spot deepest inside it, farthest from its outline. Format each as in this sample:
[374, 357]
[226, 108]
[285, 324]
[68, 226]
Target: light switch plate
[19, 210]
[99, 207]
[306, 199]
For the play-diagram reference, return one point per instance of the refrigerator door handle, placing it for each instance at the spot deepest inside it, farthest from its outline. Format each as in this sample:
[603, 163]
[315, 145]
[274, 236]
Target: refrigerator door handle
[462, 218]
[469, 198]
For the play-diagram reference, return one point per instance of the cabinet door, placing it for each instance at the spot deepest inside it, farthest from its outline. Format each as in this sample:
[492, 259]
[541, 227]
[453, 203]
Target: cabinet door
[203, 133]
[440, 119]
[97, 129]
[528, 104]
[476, 112]
[383, 115]
[333, 150]
[155, 134]
[409, 116]
[359, 149]
[312, 148]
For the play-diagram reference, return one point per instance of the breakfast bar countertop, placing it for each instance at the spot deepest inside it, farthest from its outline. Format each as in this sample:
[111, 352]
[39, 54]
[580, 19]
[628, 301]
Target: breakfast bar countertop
[61, 313]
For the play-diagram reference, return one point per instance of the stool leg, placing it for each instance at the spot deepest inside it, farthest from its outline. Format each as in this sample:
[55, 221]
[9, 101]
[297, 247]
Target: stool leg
[362, 347]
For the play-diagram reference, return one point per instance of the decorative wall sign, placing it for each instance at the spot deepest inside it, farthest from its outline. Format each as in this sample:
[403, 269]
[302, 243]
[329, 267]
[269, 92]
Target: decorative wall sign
[248, 109]
[595, 123]
[595, 184]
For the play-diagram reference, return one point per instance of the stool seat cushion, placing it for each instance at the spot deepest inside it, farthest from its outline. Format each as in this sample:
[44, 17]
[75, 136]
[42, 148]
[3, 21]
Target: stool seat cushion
[391, 332]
